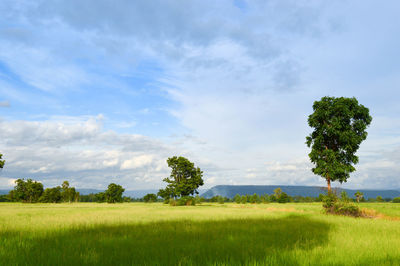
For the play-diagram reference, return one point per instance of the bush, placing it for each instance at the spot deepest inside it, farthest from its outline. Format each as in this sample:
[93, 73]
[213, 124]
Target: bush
[150, 198]
[183, 201]
[333, 205]
[396, 200]
[237, 198]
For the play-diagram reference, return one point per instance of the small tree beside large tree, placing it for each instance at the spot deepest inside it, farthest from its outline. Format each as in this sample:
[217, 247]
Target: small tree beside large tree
[339, 128]
[184, 180]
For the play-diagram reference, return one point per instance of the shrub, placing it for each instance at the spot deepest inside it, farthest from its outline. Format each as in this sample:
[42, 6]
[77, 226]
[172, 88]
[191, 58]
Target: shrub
[171, 202]
[150, 198]
[221, 200]
[185, 201]
[396, 200]
[237, 198]
[244, 199]
[333, 205]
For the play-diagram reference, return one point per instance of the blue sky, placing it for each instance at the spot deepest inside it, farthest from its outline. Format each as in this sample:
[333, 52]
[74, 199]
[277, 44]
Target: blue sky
[99, 91]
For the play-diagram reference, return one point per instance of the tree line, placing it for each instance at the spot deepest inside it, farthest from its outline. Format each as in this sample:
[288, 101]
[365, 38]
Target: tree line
[31, 191]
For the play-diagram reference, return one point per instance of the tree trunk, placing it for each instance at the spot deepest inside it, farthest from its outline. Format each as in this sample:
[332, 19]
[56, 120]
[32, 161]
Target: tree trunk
[328, 180]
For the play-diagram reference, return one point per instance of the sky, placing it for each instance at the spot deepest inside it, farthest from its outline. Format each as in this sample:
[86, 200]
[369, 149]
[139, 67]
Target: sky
[101, 91]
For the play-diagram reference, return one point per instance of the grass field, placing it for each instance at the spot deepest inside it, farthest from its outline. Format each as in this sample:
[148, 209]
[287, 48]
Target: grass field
[227, 234]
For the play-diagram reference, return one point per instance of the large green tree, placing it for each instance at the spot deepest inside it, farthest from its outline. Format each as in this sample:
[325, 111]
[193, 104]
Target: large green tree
[1, 161]
[184, 180]
[113, 193]
[68, 193]
[339, 128]
[26, 191]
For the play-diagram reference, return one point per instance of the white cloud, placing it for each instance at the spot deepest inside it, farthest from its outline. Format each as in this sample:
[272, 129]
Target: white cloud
[78, 149]
[137, 162]
[242, 84]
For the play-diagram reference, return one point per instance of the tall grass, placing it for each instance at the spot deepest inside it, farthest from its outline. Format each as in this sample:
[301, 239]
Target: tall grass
[213, 234]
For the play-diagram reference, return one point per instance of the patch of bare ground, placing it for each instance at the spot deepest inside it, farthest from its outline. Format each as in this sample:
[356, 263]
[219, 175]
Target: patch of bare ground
[373, 214]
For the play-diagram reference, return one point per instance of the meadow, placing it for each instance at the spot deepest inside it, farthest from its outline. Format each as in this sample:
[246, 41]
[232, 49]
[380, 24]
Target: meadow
[207, 234]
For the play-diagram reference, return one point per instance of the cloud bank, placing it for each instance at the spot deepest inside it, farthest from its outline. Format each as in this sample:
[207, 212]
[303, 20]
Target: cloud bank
[229, 84]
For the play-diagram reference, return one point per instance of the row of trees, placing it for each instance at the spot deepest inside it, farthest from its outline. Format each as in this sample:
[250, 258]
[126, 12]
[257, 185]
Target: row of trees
[113, 194]
[31, 191]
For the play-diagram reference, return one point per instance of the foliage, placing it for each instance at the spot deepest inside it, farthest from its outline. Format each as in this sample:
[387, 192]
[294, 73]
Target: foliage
[396, 200]
[150, 198]
[334, 205]
[184, 179]
[359, 195]
[379, 199]
[183, 201]
[52, 195]
[4, 198]
[339, 128]
[277, 192]
[344, 197]
[26, 191]
[264, 198]
[113, 193]
[68, 193]
[283, 198]
[1, 161]
[199, 199]
[244, 199]
[237, 198]
[255, 198]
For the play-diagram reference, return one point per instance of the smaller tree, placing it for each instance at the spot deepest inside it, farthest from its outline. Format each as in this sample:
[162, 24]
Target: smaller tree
[264, 198]
[68, 193]
[100, 197]
[379, 199]
[150, 198]
[221, 200]
[344, 197]
[51, 195]
[237, 198]
[244, 199]
[114, 193]
[277, 193]
[359, 195]
[254, 198]
[283, 198]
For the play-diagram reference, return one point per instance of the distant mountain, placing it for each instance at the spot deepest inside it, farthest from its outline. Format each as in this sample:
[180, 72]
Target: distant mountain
[310, 191]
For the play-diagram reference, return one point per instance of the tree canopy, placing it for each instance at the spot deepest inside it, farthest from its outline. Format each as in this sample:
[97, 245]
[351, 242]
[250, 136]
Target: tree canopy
[339, 128]
[26, 191]
[114, 193]
[150, 197]
[184, 180]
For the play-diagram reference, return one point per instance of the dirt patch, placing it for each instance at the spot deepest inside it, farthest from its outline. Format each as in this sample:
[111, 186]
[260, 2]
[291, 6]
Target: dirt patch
[373, 214]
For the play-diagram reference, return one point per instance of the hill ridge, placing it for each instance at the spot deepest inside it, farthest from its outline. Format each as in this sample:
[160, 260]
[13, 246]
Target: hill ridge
[311, 191]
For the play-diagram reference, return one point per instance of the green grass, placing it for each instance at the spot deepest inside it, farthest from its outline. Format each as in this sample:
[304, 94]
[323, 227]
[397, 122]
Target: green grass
[213, 234]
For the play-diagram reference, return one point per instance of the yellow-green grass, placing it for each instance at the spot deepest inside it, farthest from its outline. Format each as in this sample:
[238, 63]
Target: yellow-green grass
[208, 234]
